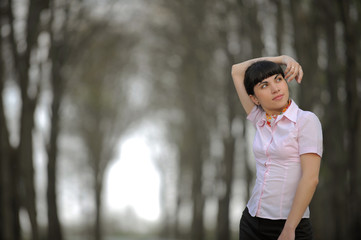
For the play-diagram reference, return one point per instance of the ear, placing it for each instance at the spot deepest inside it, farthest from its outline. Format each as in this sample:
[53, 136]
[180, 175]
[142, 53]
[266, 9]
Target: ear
[254, 99]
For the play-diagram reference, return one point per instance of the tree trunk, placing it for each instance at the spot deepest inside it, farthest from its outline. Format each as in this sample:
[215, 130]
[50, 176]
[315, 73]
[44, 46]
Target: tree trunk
[223, 218]
[197, 231]
[226, 170]
[57, 57]
[305, 45]
[26, 160]
[14, 167]
[6, 216]
[198, 139]
[181, 193]
[351, 39]
[279, 26]
[98, 230]
[54, 227]
[252, 32]
[97, 159]
[254, 35]
[25, 148]
[329, 219]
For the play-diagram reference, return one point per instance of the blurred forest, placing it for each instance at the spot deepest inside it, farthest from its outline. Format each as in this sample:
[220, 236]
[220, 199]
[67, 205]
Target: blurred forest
[77, 76]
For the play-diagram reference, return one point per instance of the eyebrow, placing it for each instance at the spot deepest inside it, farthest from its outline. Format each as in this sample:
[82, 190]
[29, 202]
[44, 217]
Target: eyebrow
[263, 81]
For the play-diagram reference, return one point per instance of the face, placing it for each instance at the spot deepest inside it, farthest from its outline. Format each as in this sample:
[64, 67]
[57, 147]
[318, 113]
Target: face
[272, 94]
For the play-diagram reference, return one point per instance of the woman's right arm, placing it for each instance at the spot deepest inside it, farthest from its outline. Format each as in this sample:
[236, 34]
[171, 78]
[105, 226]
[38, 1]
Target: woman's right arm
[238, 71]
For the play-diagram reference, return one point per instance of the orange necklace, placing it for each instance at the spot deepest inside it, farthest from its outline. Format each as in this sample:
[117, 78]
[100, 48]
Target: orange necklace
[271, 118]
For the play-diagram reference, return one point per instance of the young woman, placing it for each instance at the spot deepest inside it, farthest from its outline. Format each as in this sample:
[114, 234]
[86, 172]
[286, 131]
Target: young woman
[287, 150]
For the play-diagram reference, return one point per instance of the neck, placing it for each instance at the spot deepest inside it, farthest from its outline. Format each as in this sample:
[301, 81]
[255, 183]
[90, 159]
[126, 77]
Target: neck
[279, 111]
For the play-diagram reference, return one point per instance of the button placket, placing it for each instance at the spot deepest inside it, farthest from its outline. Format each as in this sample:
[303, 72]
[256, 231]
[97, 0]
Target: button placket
[267, 149]
[271, 130]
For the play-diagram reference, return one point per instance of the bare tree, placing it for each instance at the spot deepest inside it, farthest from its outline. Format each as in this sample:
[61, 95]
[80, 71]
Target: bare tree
[59, 52]
[6, 216]
[29, 89]
[229, 101]
[98, 92]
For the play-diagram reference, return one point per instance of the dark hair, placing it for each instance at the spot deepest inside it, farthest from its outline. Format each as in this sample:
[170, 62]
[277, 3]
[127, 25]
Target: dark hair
[259, 71]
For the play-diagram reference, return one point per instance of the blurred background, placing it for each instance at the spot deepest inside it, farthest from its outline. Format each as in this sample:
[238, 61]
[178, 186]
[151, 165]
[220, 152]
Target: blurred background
[119, 118]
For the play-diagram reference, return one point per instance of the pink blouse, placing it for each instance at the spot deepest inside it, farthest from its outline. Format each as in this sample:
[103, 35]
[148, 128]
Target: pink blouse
[277, 151]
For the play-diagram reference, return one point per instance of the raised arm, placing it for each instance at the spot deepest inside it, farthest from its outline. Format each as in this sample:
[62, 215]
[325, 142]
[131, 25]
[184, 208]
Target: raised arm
[292, 71]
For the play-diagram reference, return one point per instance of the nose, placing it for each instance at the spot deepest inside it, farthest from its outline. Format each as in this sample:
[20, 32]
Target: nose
[274, 88]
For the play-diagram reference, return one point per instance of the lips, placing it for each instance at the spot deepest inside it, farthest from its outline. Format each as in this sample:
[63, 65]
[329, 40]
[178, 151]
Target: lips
[278, 97]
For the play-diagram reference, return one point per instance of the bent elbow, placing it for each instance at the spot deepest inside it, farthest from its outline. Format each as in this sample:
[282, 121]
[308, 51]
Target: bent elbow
[315, 181]
[236, 69]
[311, 181]
[233, 70]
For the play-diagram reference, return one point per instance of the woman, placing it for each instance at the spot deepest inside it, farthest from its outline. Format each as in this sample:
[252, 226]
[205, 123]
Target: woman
[287, 149]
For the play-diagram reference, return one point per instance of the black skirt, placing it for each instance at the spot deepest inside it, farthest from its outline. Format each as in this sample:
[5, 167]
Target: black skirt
[255, 228]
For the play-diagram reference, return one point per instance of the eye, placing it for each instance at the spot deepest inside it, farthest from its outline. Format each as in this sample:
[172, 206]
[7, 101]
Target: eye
[279, 79]
[264, 85]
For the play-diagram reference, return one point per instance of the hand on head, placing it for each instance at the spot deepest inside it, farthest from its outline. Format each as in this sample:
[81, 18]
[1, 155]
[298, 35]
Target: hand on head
[293, 69]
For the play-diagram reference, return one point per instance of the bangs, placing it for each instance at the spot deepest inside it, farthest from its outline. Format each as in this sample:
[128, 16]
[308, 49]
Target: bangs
[259, 71]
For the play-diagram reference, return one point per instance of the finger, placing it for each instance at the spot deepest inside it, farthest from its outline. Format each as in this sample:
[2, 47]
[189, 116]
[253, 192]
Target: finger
[294, 72]
[300, 75]
[287, 70]
[291, 73]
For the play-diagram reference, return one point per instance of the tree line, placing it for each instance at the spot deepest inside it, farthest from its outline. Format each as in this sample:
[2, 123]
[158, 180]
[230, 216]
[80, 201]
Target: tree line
[207, 37]
[184, 51]
[63, 60]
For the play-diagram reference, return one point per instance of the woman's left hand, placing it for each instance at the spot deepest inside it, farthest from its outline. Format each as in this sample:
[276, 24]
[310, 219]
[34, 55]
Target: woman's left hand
[293, 69]
[287, 235]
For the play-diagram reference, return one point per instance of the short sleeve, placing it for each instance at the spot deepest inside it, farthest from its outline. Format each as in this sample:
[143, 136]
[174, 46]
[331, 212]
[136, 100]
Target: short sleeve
[255, 115]
[310, 134]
